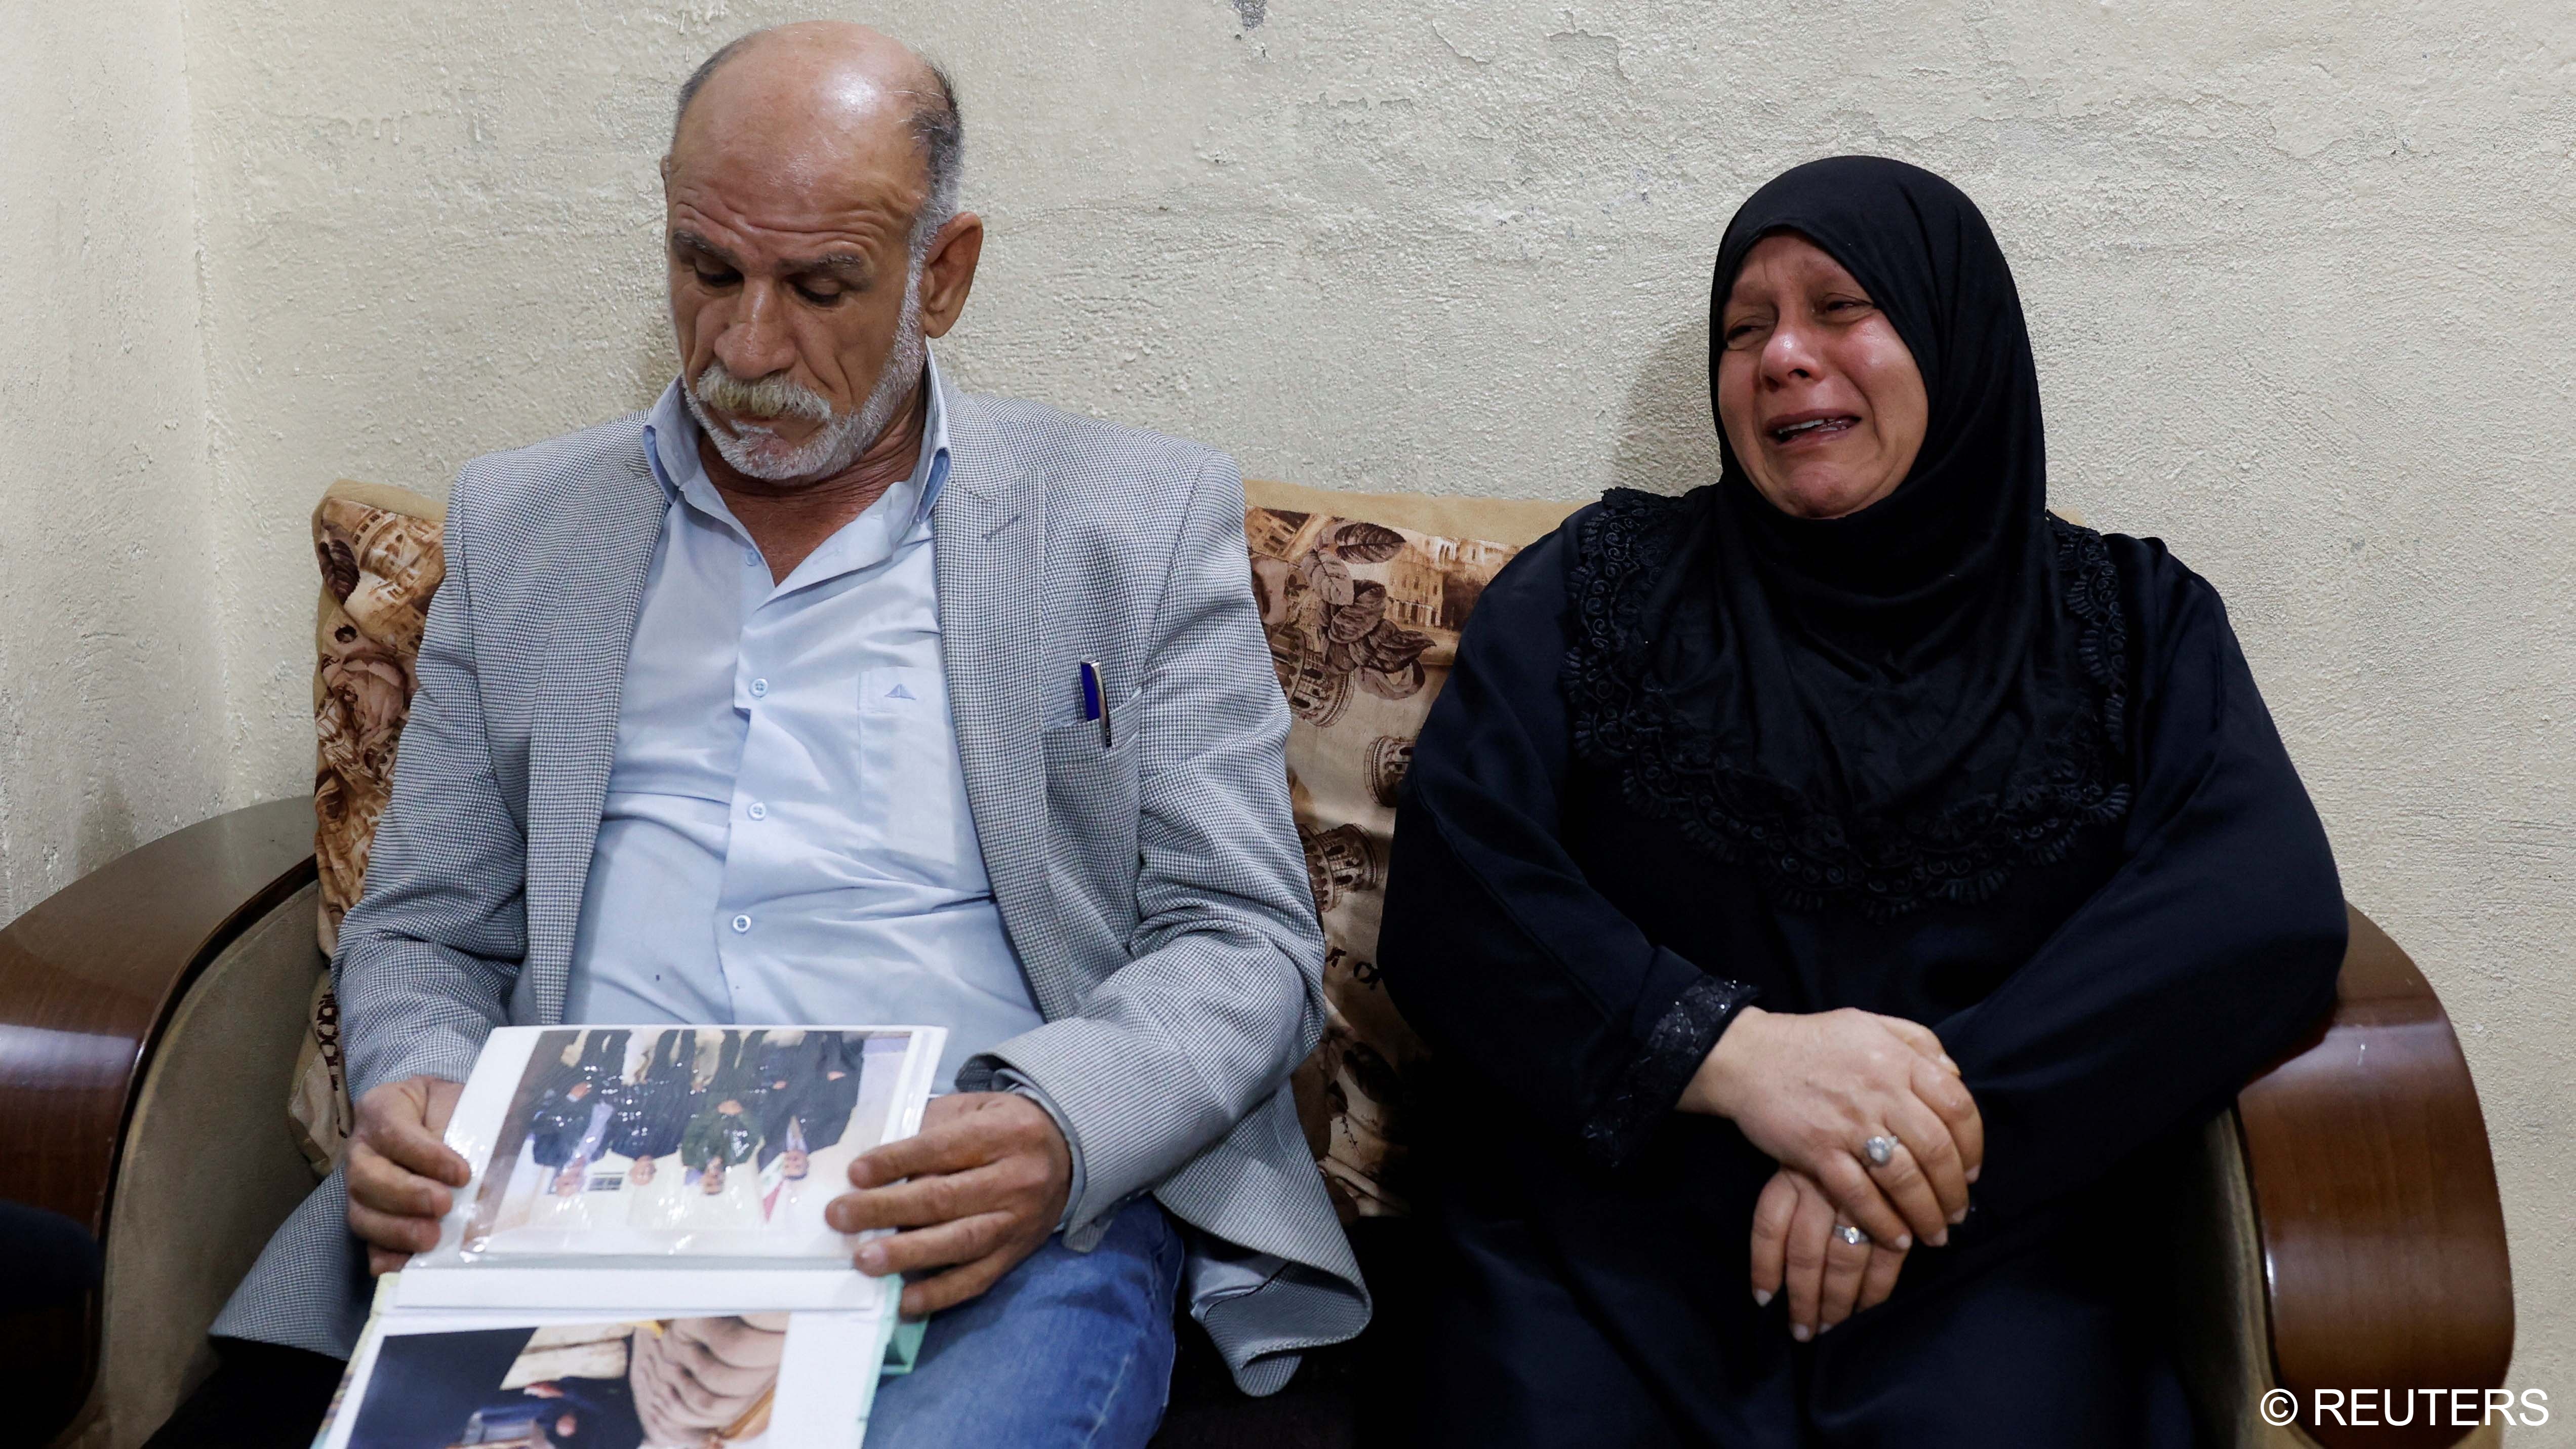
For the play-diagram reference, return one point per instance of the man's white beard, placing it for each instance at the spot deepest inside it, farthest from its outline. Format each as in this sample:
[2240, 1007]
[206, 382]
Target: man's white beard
[758, 452]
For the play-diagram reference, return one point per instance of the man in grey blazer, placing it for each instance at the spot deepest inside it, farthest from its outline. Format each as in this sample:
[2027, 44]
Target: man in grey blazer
[823, 692]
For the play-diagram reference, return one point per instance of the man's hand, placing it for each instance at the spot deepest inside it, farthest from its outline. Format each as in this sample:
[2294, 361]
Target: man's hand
[988, 1174]
[1795, 1245]
[1811, 1089]
[400, 1171]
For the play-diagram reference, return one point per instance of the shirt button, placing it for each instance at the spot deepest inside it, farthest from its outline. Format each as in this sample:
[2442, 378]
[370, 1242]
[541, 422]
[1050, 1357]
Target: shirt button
[760, 689]
[741, 924]
[758, 811]
[751, 558]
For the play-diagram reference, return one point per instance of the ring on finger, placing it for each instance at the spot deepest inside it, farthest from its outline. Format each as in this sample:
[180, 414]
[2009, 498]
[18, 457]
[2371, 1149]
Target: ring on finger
[1880, 1150]
[1852, 1237]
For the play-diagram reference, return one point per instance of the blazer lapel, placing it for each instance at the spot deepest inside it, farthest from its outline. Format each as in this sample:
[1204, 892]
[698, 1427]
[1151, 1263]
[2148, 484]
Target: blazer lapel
[598, 590]
[991, 548]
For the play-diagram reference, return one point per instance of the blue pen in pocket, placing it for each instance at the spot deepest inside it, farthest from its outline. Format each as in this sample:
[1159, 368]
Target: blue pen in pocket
[1095, 700]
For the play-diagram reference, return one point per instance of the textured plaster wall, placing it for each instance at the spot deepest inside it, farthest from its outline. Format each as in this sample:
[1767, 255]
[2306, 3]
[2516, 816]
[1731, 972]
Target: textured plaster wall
[112, 719]
[2295, 271]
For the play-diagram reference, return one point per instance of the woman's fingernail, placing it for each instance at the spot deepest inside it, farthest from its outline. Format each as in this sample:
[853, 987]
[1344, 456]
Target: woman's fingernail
[1973, 1171]
[1953, 1066]
[1958, 1217]
[1761, 1297]
[1824, 1328]
[1904, 1242]
[1939, 1239]
[872, 1259]
[1799, 1332]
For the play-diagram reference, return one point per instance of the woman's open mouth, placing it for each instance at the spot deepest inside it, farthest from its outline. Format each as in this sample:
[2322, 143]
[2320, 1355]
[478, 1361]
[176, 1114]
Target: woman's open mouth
[1810, 427]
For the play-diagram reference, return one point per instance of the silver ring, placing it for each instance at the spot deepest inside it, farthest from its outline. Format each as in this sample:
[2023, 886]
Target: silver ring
[1852, 1237]
[1879, 1150]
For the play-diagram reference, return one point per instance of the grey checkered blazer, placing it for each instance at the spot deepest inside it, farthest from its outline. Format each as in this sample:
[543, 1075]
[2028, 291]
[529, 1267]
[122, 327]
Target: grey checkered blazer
[1155, 891]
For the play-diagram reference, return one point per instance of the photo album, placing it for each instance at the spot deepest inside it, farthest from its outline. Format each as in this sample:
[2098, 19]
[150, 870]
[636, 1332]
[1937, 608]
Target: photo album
[641, 1259]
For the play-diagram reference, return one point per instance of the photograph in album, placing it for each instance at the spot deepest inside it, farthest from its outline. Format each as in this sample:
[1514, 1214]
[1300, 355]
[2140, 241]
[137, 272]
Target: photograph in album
[659, 1140]
[610, 1385]
[716, 1381]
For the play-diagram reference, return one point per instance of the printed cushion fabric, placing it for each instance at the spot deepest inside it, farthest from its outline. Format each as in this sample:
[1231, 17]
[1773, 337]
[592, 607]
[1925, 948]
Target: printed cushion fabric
[1362, 597]
[381, 560]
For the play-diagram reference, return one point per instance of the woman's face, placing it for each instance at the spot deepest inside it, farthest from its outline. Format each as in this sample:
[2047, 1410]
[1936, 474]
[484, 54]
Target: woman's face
[1820, 398]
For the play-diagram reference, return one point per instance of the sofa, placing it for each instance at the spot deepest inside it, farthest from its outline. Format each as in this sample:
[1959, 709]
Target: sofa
[158, 1016]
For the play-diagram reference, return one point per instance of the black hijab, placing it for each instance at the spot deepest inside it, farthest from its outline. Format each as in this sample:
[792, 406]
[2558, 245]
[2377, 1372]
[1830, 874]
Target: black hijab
[1896, 706]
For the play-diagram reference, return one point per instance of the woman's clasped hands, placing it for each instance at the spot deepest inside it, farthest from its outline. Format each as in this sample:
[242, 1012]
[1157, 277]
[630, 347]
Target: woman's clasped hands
[1877, 1141]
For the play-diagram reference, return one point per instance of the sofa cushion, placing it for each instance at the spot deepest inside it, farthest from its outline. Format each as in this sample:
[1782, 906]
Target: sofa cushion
[381, 562]
[1362, 597]
[380, 559]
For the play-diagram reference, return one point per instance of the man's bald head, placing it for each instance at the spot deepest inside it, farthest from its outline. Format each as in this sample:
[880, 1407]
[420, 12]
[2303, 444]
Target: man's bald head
[815, 247]
[839, 75]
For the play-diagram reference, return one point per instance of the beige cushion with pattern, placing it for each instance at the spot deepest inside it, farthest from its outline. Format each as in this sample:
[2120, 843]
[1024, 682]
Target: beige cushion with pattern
[1362, 597]
[381, 561]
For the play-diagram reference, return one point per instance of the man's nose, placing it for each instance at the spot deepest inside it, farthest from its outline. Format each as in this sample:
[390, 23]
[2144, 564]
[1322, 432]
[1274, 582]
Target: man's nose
[754, 342]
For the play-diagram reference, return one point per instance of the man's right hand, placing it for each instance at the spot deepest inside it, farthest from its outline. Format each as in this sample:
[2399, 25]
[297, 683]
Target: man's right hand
[400, 1171]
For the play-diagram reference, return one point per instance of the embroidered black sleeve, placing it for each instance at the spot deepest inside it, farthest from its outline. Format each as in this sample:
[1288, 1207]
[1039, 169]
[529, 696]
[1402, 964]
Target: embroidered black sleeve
[1653, 1082]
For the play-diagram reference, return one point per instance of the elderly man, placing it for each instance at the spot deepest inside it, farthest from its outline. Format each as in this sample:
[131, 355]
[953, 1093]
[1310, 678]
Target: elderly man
[823, 692]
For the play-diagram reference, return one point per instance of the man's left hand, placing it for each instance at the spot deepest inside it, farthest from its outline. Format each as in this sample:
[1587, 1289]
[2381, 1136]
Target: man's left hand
[976, 1190]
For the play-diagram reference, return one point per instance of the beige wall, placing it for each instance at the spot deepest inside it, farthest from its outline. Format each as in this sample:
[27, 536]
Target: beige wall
[2294, 272]
[111, 680]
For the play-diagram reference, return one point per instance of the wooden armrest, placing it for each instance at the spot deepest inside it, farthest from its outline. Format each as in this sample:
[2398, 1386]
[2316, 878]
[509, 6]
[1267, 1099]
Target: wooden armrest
[88, 979]
[2375, 1199]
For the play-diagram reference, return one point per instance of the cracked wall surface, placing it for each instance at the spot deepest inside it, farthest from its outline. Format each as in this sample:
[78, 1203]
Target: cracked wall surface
[2292, 272]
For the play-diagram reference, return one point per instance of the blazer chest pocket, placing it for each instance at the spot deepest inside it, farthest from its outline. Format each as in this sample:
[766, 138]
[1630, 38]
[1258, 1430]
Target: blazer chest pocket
[1092, 794]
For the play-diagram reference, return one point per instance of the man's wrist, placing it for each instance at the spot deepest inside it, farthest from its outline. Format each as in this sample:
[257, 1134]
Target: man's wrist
[445, 1056]
[1008, 1080]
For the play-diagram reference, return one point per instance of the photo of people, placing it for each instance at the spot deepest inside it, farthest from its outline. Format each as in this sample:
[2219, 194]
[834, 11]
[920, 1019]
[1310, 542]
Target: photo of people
[702, 1383]
[683, 1139]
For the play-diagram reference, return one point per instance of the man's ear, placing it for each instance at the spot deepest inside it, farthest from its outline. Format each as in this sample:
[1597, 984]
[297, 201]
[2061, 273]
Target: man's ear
[948, 272]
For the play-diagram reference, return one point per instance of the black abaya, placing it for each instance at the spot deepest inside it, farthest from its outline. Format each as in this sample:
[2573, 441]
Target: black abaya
[1570, 942]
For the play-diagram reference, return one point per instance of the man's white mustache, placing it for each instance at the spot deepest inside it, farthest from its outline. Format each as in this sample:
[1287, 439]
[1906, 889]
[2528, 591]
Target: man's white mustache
[773, 396]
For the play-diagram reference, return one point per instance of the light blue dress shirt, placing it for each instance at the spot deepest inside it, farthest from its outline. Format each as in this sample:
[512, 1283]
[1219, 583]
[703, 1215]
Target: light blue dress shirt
[785, 836]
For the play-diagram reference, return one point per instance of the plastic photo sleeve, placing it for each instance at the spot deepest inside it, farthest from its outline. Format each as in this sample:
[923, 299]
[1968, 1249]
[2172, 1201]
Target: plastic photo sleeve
[708, 1141]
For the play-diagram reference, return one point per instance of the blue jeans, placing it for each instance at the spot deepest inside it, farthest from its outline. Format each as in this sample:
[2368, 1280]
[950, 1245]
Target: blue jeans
[1071, 1349]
